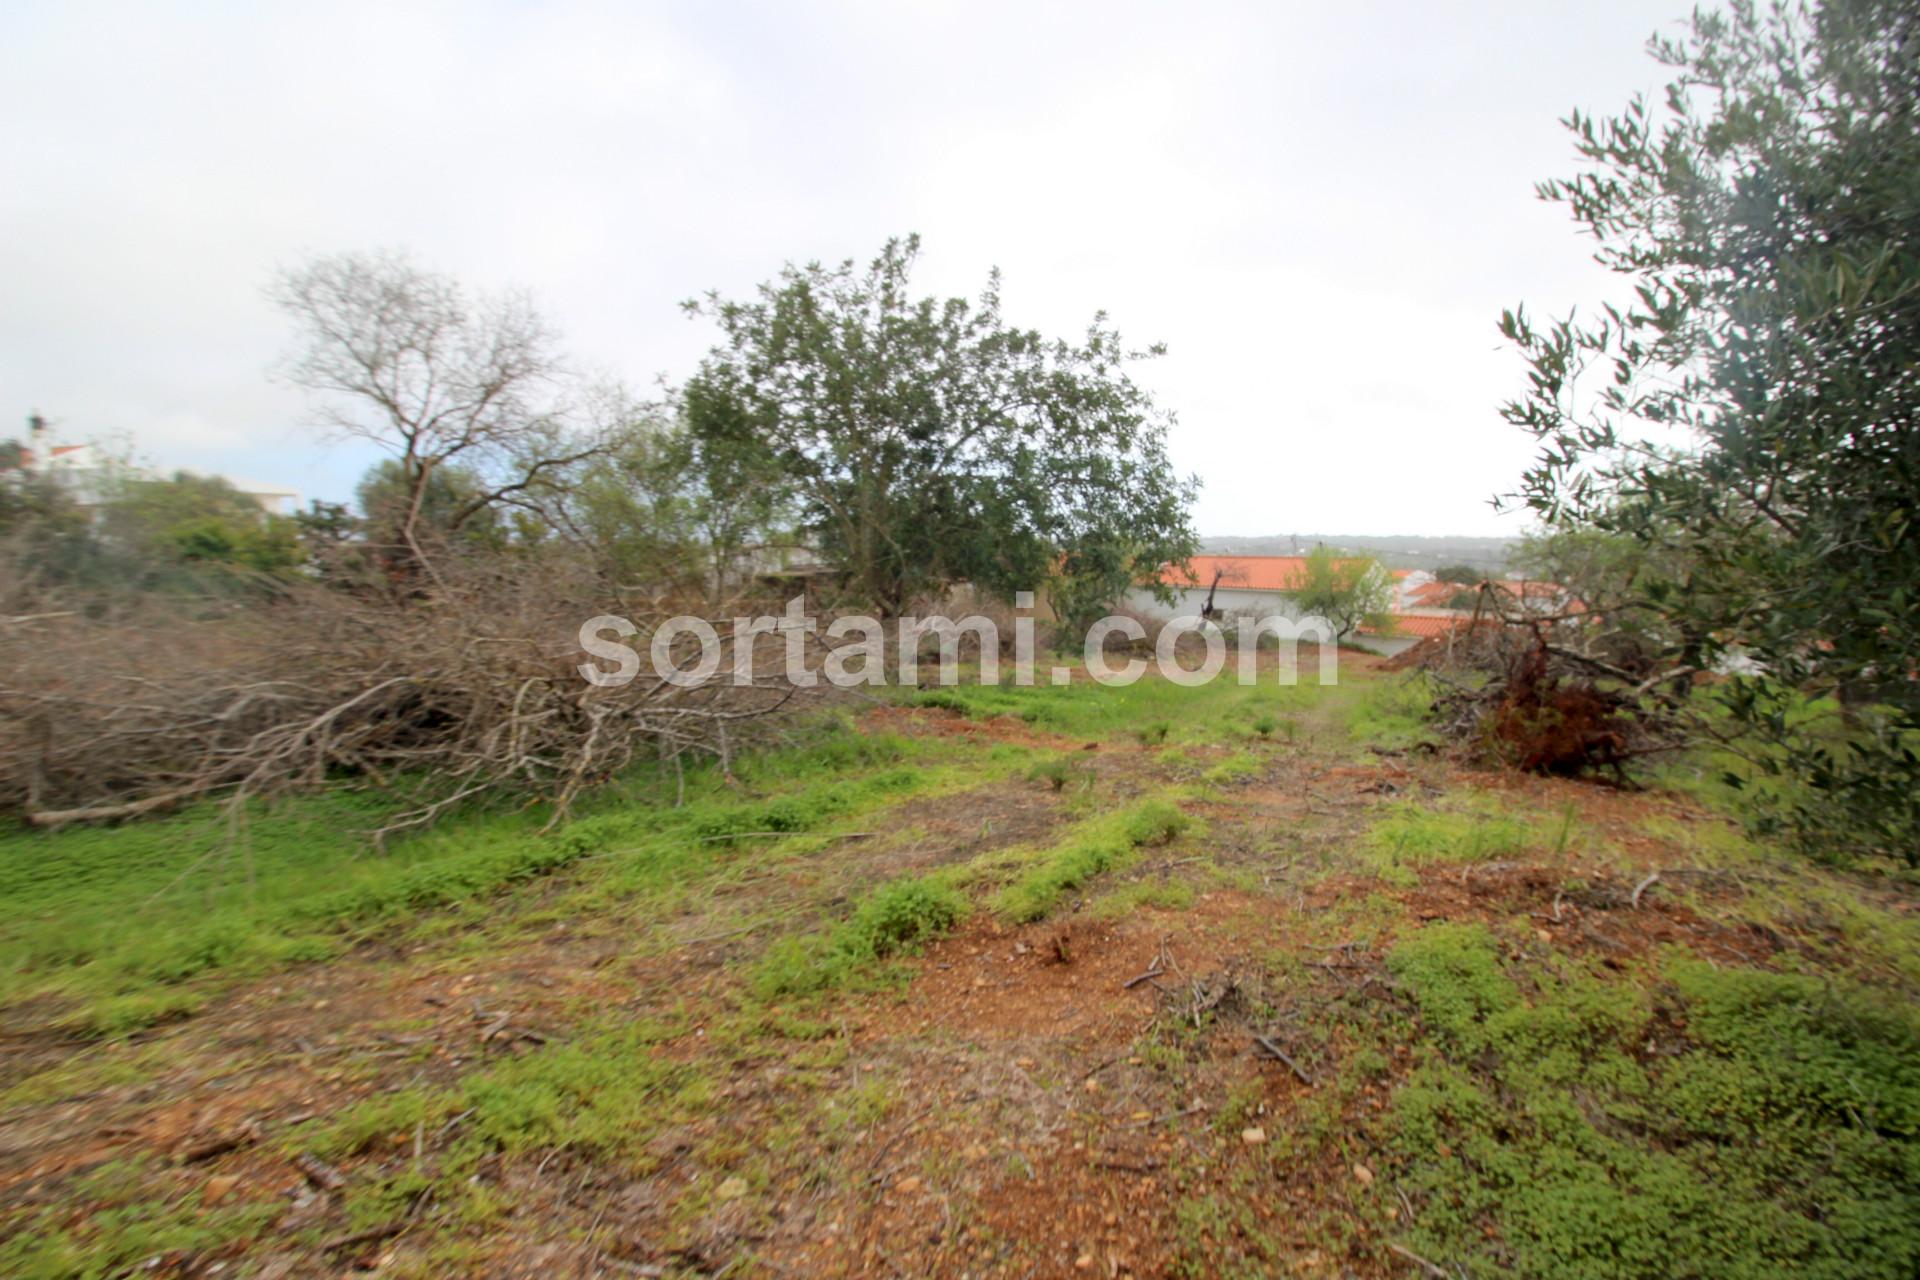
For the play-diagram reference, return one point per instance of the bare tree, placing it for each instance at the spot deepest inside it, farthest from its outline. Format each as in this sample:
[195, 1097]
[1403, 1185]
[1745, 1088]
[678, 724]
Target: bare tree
[407, 359]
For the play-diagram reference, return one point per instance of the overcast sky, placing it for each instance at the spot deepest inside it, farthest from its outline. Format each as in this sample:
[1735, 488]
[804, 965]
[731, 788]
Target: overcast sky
[1321, 209]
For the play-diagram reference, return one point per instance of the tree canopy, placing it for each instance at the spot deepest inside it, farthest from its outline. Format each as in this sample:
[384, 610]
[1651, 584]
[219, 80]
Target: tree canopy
[926, 441]
[1348, 591]
[1766, 219]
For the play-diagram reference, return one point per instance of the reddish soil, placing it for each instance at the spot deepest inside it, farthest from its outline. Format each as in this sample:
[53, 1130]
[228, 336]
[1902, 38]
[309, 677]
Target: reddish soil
[1059, 1099]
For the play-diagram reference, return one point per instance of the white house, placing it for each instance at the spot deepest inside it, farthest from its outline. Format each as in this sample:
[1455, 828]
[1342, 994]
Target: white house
[88, 473]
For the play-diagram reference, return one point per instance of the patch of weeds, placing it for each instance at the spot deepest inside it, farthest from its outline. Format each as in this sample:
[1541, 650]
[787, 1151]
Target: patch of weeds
[114, 1016]
[895, 918]
[1059, 771]
[1096, 846]
[605, 1093]
[387, 1199]
[126, 1223]
[942, 700]
[1169, 895]
[1389, 714]
[1414, 837]
[113, 1066]
[390, 1117]
[1707, 843]
[1743, 1123]
[1264, 725]
[1235, 768]
[1154, 733]
[1239, 1108]
[1221, 1235]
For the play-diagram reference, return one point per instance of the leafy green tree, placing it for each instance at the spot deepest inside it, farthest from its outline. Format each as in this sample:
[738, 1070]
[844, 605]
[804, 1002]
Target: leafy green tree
[1464, 575]
[191, 519]
[1766, 221]
[665, 506]
[925, 442]
[45, 536]
[28, 497]
[1348, 591]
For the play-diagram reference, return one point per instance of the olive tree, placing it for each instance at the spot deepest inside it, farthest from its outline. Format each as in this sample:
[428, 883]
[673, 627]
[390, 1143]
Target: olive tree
[1765, 219]
[1348, 591]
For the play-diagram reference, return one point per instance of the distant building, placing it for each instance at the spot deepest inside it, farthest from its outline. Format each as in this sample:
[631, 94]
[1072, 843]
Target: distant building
[272, 499]
[1257, 587]
[88, 472]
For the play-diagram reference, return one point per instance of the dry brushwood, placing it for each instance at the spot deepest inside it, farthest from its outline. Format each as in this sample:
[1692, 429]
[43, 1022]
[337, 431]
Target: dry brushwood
[104, 717]
[1551, 695]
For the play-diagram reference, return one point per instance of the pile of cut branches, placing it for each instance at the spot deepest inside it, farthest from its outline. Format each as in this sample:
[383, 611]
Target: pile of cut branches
[1533, 694]
[108, 715]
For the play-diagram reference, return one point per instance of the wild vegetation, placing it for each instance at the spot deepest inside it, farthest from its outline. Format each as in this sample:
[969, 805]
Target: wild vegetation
[1738, 429]
[351, 920]
[940, 988]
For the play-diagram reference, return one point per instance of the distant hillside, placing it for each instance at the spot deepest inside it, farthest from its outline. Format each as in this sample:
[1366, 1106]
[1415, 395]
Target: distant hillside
[1396, 552]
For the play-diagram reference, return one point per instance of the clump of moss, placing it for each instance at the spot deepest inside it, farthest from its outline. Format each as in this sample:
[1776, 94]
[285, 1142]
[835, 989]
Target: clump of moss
[1732, 1122]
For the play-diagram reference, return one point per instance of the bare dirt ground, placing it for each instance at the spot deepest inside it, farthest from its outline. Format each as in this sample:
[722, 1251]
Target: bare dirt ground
[1143, 1084]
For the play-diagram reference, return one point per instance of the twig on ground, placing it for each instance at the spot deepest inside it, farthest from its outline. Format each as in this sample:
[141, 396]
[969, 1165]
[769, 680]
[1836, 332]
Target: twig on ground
[1431, 1268]
[1275, 1052]
[319, 1172]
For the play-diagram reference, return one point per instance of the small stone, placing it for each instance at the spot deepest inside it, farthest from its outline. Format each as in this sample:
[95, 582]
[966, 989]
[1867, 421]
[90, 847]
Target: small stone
[1084, 1262]
[1253, 1137]
[1364, 1174]
[731, 1189]
[907, 1185]
[219, 1188]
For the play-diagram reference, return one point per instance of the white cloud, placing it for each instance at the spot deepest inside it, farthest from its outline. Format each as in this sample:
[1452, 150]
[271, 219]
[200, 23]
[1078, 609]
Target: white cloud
[1321, 210]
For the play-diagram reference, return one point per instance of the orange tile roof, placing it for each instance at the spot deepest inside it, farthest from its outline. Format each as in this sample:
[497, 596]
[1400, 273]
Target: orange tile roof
[1243, 573]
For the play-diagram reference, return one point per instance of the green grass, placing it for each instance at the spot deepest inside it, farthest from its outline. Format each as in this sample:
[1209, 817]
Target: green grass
[1097, 845]
[1725, 1122]
[127, 1224]
[1238, 767]
[301, 884]
[1389, 714]
[898, 917]
[1060, 772]
[1472, 831]
[1544, 1116]
[1151, 710]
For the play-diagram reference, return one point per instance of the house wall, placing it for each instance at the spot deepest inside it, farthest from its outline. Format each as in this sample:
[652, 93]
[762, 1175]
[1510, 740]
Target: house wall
[1385, 646]
[1229, 600]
